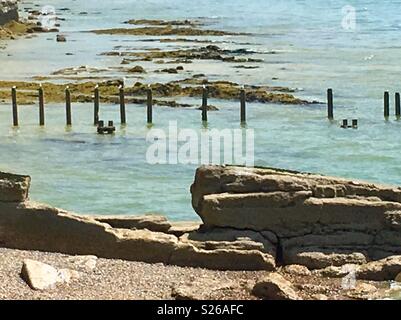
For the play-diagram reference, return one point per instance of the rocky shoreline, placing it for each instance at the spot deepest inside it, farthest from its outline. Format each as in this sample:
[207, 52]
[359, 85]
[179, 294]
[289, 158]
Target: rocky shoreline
[283, 224]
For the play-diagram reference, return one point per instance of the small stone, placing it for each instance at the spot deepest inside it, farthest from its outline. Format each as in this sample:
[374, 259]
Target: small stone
[297, 270]
[84, 263]
[61, 38]
[38, 275]
[275, 287]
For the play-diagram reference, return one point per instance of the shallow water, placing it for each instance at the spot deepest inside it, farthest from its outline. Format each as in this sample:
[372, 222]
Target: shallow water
[81, 171]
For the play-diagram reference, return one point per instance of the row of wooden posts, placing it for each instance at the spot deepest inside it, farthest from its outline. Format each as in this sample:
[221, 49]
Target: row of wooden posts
[330, 105]
[122, 106]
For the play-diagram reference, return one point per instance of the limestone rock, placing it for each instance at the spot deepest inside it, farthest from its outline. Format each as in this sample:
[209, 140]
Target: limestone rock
[320, 258]
[382, 270]
[41, 276]
[32, 226]
[275, 287]
[336, 272]
[398, 277]
[152, 222]
[180, 228]
[297, 270]
[225, 249]
[13, 187]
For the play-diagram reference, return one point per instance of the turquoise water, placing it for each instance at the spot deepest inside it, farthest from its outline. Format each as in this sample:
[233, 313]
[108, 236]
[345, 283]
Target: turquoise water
[81, 171]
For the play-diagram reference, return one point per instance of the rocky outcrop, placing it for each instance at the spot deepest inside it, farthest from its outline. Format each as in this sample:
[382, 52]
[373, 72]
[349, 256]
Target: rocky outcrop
[8, 11]
[253, 219]
[319, 221]
[32, 226]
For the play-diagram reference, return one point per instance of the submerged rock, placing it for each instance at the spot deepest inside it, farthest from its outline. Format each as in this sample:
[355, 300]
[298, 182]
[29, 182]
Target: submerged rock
[166, 30]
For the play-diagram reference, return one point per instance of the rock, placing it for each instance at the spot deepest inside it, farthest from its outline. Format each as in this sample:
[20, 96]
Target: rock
[297, 270]
[275, 287]
[383, 270]
[336, 272]
[184, 293]
[363, 291]
[398, 277]
[320, 258]
[200, 288]
[32, 226]
[84, 263]
[319, 221]
[320, 297]
[152, 222]
[61, 38]
[180, 228]
[8, 11]
[137, 69]
[14, 188]
[67, 275]
[41, 276]
[225, 249]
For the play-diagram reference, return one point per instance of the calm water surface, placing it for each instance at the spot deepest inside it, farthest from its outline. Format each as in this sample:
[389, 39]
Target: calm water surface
[81, 171]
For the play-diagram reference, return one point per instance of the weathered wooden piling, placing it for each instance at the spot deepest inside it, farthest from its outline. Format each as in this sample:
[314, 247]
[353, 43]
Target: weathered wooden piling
[68, 106]
[330, 112]
[149, 105]
[397, 105]
[41, 107]
[386, 104]
[345, 124]
[15, 106]
[243, 105]
[122, 106]
[355, 123]
[204, 103]
[96, 106]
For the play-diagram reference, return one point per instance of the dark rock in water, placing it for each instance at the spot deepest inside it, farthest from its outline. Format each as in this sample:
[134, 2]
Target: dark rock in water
[61, 38]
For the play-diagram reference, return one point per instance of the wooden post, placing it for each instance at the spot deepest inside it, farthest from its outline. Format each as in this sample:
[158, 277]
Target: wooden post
[68, 106]
[150, 105]
[386, 104]
[243, 105]
[15, 106]
[41, 107]
[355, 123]
[397, 105]
[122, 106]
[345, 124]
[204, 104]
[330, 113]
[96, 106]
